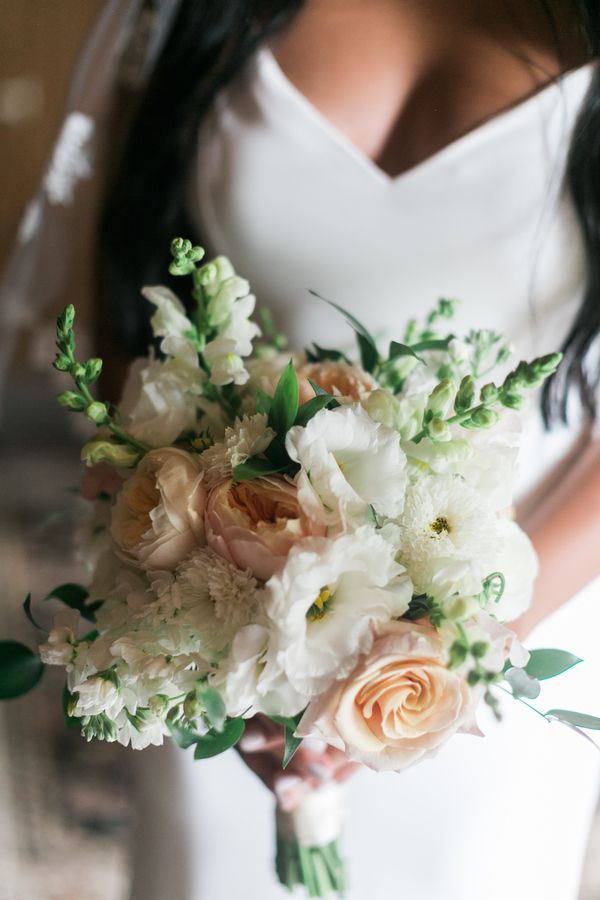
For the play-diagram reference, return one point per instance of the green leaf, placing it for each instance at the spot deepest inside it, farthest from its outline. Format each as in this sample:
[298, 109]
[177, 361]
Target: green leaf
[74, 596]
[213, 707]
[580, 720]
[431, 344]
[546, 663]
[20, 669]
[29, 614]
[213, 743]
[318, 354]
[369, 354]
[255, 467]
[285, 401]
[291, 745]
[263, 401]
[313, 406]
[183, 736]
[397, 349]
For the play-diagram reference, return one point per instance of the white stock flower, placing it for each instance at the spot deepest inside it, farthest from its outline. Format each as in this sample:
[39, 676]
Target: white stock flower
[170, 318]
[61, 646]
[348, 463]
[218, 599]
[448, 536]
[247, 437]
[322, 606]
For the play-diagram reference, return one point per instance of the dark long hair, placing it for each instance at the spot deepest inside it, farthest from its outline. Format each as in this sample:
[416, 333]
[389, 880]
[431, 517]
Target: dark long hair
[208, 44]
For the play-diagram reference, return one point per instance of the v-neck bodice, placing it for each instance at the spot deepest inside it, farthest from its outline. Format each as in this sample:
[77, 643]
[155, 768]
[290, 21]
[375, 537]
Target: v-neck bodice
[295, 205]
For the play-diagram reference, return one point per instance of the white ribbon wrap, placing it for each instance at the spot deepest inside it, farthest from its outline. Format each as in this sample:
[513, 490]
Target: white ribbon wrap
[317, 819]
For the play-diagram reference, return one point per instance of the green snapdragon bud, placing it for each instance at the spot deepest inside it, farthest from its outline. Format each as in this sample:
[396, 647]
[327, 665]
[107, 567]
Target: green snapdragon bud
[466, 394]
[489, 393]
[93, 368]
[484, 418]
[512, 401]
[78, 372]
[97, 412]
[64, 323]
[441, 396]
[62, 363]
[72, 400]
[438, 430]
[120, 455]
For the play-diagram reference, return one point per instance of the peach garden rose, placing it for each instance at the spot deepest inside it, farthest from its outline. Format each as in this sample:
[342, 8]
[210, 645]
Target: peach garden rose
[398, 706]
[254, 524]
[158, 518]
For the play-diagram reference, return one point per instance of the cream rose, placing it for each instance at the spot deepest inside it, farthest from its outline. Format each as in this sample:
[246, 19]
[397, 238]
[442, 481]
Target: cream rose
[338, 378]
[398, 706]
[158, 517]
[254, 524]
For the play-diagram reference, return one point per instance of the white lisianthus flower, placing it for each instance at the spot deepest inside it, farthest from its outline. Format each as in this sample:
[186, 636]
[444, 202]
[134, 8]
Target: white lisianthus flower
[218, 598]
[348, 463]
[247, 437]
[170, 318]
[448, 536]
[323, 605]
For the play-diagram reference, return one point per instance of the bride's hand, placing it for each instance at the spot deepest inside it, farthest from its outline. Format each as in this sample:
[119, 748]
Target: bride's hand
[261, 748]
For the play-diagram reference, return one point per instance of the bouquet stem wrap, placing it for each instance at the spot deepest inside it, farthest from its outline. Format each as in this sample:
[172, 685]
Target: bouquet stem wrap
[308, 842]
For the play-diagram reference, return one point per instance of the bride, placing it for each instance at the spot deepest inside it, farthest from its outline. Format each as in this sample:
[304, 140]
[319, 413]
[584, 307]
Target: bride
[386, 153]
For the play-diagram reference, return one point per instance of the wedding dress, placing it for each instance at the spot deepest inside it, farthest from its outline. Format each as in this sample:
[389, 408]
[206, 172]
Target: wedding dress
[295, 205]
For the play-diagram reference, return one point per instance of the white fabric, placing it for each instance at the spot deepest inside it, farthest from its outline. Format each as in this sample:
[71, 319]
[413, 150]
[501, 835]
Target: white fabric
[294, 205]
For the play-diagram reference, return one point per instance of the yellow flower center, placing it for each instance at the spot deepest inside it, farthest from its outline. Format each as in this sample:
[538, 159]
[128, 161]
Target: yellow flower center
[441, 525]
[319, 606]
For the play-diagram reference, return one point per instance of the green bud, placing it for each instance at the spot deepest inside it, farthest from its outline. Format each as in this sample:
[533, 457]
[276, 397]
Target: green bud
[458, 654]
[473, 678]
[97, 412]
[489, 394]
[549, 363]
[191, 706]
[78, 372]
[180, 246]
[441, 396]
[512, 401]
[466, 394]
[93, 367]
[158, 703]
[62, 363]
[479, 649]
[503, 354]
[64, 323]
[72, 400]
[121, 455]
[484, 418]
[438, 430]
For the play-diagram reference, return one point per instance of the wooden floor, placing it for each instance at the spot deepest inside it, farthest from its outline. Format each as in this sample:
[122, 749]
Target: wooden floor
[66, 811]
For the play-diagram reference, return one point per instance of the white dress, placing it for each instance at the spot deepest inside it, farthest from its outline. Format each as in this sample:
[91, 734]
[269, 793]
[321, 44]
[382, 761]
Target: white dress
[295, 205]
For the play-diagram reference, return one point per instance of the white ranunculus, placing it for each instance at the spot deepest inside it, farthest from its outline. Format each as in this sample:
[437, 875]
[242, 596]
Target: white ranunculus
[449, 535]
[170, 318]
[348, 464]
[324, 603]
[516, 559]
[162, 398]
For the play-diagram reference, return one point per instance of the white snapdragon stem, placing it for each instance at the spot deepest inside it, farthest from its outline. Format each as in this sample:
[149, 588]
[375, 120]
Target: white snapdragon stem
[307, 841]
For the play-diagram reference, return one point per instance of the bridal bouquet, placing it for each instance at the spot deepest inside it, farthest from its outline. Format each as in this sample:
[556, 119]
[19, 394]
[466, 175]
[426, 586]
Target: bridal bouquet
[325, 542]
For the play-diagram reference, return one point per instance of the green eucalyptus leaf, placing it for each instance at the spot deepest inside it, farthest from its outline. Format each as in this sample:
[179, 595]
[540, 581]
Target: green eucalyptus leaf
[213, 743]
[580, 720]
[183, 736]
[547, 662]
[255, 467]
[214, 707]
[285, 401]
[74, 596]
[20, 669]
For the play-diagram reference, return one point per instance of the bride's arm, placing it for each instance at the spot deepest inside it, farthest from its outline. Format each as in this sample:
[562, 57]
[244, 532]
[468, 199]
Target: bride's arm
[564, 526]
